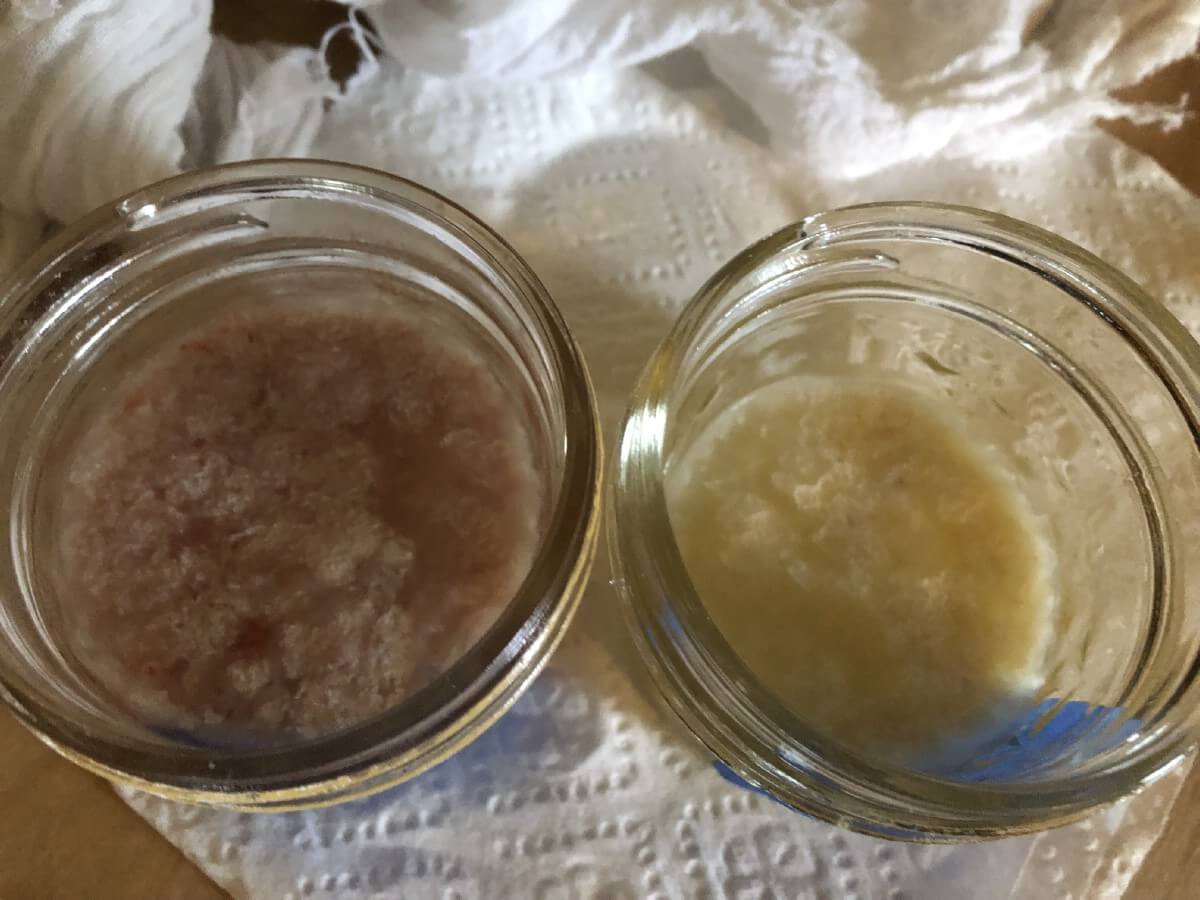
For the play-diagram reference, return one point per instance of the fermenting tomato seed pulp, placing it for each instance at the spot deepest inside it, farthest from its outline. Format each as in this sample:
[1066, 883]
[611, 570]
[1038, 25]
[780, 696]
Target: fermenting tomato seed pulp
[870, 563]
[288, 519]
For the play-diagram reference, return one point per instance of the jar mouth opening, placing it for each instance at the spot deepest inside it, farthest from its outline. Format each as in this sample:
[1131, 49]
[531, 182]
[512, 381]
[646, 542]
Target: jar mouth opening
[463, 700]
[717, 694]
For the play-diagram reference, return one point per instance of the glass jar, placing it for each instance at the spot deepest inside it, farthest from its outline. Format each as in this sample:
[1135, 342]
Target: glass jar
[1091, 391]
[100, 295]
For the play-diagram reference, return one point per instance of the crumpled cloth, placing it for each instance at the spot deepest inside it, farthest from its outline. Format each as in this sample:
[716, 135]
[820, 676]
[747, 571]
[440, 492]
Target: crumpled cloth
[626, 153]
[98, 89]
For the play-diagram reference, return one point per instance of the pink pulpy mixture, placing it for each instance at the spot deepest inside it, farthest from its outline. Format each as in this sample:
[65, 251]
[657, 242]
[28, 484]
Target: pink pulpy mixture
[290, 520]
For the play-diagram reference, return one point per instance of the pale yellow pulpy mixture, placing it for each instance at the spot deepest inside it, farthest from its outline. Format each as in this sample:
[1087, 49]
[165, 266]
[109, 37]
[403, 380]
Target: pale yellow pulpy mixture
[873, 567]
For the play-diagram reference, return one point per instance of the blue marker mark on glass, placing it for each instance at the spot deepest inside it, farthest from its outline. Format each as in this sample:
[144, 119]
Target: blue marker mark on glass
[1076, 727]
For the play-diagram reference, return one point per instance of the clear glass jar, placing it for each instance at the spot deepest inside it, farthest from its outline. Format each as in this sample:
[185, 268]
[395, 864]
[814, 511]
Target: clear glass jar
[100, 293]
[1088, 387]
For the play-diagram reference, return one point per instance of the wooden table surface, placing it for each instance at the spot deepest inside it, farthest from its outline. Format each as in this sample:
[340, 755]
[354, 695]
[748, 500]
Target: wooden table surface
[64, 834]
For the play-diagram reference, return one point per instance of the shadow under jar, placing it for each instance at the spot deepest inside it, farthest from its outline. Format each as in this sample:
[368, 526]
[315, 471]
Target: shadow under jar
[1066, 379]
[301, 466]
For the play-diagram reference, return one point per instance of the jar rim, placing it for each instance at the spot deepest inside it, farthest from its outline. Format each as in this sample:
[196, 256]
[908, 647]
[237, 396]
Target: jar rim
[727, 707]
[475, 690]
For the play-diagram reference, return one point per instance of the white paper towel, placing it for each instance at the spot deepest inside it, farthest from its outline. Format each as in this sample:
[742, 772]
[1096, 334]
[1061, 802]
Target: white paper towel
[625, 187]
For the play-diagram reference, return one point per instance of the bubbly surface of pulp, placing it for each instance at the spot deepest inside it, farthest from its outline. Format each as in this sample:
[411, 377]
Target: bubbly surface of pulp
[873, 568]
[286, 521]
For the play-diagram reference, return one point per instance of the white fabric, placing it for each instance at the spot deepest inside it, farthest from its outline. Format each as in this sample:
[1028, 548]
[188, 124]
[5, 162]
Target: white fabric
[625, 185]
[92, 96]
[847, 86]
